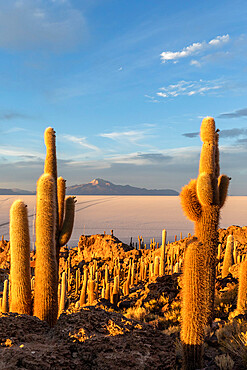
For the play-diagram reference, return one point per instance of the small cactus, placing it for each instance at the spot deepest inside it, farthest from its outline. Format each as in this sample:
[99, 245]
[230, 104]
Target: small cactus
[228, 257]
[5, 301]
[162, 253]
[84, 288]
[91, 294]
[63, 294]
[20, 301]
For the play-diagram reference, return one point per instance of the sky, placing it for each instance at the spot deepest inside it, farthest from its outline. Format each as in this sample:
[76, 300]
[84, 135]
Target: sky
[125, 85]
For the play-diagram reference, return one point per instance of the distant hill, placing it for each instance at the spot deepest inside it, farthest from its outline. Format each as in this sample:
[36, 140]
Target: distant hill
[102, 187]
[15, 192]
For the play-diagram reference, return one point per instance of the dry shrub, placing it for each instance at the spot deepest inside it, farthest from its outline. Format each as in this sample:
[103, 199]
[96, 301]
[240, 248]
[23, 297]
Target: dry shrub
[224, 362]
[233, 337]
[173, 315]
[137, 313]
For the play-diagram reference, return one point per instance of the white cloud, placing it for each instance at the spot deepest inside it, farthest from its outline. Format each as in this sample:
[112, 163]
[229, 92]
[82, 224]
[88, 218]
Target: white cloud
[219, 40]
[190, 88]
[81, 141]
[18, 152]
[151, 99]
[36, 23]
[193, 49]
[195, 63]
[131, 135]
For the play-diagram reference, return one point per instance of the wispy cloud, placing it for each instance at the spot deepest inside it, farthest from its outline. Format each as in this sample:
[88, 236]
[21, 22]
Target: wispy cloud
[228, 133]
[55, 25]
[9, 151]
[11, 115]
[191, 134]
[140, 159]
[193, 49]
[151, 99]
[234, 132]
[81, 141]
[133, 136]
[195, 63]
[236, 114]
[190, 88]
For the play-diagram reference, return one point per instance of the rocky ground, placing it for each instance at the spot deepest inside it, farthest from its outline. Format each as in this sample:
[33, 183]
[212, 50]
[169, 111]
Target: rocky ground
[142, 332]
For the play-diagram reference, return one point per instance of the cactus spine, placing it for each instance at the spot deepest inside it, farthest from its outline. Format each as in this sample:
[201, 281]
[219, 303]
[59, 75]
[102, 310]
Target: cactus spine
[201, 201]
[192, 311]
[46, 284]
[20, 301]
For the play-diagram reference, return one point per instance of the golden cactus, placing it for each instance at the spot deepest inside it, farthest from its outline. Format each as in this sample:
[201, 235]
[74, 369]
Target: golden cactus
[66, 231]
[201, 201]
[193, 307]
[162, 253]
[63, 294]
[228, 257]
[61, 189]
[242, 289]
[5, 300]
[45, 299]
[20, 301]
[64, 224]
[156, 266]
[91, 294]
[84, 288]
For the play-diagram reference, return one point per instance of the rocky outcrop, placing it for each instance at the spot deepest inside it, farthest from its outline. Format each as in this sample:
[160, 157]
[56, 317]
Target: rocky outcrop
[101, 246]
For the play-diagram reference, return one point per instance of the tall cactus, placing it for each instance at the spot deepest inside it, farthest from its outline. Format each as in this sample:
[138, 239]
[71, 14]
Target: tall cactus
[201, 201]
[64, 224]
[46, 283]
[20, 300]
[192, 310]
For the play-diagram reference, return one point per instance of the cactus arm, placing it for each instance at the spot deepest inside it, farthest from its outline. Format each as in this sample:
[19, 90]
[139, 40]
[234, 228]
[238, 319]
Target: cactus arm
[223, 184]
[61, 186]
[204, 189]
[217, 156]
[189, 201]
[67, 228]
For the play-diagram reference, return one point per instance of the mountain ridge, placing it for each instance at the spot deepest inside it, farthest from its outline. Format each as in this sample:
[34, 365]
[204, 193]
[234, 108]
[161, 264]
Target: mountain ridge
[102, 187]
[15, 191]
[99, 187]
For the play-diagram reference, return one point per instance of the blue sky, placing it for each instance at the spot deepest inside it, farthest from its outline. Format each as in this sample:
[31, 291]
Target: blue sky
[125, 84]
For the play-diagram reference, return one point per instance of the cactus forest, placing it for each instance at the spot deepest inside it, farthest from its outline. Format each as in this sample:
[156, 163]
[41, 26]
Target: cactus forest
[105, 304]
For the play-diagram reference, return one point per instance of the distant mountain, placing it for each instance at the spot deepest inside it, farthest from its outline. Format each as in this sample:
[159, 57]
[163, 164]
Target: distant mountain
[15, 192]
[102, 187]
